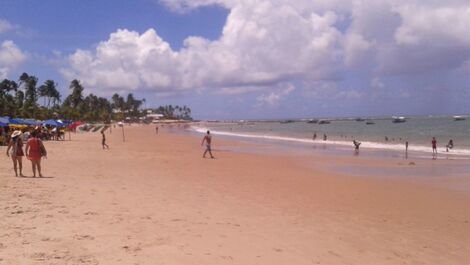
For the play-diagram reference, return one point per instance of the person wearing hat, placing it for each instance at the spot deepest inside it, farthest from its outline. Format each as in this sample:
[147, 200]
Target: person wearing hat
[16, 144]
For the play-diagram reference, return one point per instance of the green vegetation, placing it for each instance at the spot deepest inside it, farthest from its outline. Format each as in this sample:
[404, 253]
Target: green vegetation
[174, 112]
[26, 99]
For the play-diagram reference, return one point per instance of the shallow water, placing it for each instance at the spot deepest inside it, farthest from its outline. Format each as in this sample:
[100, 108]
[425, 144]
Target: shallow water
[418, 131]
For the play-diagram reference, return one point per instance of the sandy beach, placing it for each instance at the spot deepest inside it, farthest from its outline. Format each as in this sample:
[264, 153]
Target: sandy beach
[154, 200]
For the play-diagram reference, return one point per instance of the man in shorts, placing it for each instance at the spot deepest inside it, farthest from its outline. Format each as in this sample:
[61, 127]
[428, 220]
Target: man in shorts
[207, 139]
[434, 145]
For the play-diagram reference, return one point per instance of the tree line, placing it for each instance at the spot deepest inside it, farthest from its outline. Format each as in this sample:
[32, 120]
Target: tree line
[26, 99]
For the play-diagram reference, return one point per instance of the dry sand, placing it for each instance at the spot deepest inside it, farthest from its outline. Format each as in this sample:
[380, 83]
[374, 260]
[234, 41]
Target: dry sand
[154, 200]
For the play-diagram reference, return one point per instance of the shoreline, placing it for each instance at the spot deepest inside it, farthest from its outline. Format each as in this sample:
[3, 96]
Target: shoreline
[339, 147]
[153, 199]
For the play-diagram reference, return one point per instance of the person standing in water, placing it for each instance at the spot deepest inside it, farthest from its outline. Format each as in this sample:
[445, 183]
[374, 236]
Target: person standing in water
[434, 145]
[16, 143]
[103, 141]
[450, 145]
[208, 140]
[356, 145]
[406, 150]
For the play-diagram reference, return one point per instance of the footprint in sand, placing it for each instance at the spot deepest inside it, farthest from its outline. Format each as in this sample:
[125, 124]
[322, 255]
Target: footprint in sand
[40, 256]
[83, 237]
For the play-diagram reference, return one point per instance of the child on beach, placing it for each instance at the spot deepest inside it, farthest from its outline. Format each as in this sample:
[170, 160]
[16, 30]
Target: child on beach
[208, 140]
[450, 145]
[356, 144]
[16, 143]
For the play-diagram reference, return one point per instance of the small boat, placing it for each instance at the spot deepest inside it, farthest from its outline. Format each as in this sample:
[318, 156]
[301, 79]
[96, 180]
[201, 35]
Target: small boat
[459, 118]
[360, 119]
[398, 119]
[370, 122]
[312, 121]
[287, 121]
[324, 122]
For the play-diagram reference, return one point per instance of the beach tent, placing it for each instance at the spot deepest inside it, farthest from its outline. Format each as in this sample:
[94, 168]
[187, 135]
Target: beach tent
[30, 122]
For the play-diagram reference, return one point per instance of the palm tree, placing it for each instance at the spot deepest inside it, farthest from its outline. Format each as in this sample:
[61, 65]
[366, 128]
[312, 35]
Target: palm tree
[49, 91]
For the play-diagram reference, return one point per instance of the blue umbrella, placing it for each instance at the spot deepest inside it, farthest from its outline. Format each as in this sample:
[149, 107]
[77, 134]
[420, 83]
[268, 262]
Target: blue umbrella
[5, 120]
[53, 123]
[17, 121]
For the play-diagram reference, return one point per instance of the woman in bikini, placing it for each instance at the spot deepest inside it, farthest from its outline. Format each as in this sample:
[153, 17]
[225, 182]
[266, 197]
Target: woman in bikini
[16, 144]
[34, 151]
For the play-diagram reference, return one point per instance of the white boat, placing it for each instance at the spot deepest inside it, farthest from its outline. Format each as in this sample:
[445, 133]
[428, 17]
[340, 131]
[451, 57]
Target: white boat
[398, 119]
[459, 118]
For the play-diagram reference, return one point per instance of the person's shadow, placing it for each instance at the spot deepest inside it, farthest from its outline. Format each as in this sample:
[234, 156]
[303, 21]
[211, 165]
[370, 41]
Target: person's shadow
[31, 177]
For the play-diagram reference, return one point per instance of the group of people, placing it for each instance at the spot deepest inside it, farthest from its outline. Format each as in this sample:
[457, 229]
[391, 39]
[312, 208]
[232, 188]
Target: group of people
[33, 151]
[356, 144]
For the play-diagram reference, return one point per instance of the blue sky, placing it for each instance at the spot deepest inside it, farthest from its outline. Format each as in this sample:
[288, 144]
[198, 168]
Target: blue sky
[235, 59]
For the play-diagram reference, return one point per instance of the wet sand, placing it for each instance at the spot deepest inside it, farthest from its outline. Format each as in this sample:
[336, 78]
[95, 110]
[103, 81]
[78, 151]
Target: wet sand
[154, 200]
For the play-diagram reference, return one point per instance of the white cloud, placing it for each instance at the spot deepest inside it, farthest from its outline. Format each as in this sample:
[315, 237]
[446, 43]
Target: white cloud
[265, 43]
[275, 97]
[5, 26]
[10, 57]
[376, 83]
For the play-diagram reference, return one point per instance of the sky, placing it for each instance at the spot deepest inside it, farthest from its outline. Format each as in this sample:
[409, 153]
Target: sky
[250, 59]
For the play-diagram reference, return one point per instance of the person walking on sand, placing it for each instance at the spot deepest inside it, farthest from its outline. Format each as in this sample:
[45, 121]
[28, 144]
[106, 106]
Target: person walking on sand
[16, 144]
[314, 136]
[103, 141]
[434, 145]
[156, 129]
[207, 139]
[35, 150]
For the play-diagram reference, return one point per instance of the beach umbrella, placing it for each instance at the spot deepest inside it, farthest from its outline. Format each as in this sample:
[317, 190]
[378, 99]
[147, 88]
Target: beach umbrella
[53, 123]
[3, 124]
[31, 122]
[17, 121]
[4, 121]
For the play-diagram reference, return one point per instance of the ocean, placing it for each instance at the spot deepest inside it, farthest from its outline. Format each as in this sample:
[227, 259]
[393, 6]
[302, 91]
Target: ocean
[383, 134]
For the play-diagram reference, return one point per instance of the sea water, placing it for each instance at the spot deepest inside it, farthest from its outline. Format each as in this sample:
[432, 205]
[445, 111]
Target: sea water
[384, 134]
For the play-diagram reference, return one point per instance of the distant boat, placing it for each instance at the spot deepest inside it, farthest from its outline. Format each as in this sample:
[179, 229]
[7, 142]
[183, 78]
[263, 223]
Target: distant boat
[360, 119]
[287, 121]
[370, 122]
[312, 121]
[324, 122]
[398, 119]
[459, 118]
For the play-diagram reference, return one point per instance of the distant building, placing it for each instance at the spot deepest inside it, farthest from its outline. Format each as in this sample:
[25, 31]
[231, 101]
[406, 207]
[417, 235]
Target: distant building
[154, 116]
